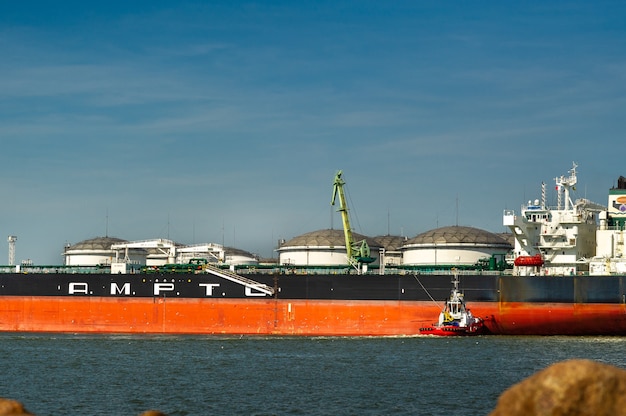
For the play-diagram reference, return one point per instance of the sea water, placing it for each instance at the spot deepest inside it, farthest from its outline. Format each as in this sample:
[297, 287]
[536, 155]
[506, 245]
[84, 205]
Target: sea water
[54, 374]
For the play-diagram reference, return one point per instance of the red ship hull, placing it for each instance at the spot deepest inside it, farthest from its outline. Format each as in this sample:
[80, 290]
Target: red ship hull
[294, 317]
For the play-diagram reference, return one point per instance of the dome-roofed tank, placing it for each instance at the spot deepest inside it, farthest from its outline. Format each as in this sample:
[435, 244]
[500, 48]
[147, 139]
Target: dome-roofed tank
[391, 242]
[508, 237]
[453, 246]
[321, 248]
[236, 256]
[97, 243]
[392, 245]
[91, 252]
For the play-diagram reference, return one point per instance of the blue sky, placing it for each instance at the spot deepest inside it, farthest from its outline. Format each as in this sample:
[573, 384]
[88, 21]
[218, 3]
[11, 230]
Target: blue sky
[226, 121]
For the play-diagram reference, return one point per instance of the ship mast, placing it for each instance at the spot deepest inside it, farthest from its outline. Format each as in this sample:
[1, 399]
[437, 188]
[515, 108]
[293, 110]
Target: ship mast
[565, 184]
[358, 252]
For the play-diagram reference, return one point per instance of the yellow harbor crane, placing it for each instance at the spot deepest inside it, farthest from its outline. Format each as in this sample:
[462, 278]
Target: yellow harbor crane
[358, 252]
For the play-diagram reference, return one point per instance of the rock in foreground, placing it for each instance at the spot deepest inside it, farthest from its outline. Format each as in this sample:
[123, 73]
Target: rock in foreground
[574, 387]
[14, 408]
[11, 407]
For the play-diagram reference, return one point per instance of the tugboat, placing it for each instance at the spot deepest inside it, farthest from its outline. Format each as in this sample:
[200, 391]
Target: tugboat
[455, 319]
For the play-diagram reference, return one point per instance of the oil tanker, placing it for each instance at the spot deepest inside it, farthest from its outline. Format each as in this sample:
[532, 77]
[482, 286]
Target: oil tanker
[567, 276]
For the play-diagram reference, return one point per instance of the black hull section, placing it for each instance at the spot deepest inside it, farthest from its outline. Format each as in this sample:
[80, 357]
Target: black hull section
[477, 288]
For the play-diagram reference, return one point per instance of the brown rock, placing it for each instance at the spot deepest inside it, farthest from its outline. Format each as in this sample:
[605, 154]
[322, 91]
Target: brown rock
[574, 387]
[11, 407]
[14, 408]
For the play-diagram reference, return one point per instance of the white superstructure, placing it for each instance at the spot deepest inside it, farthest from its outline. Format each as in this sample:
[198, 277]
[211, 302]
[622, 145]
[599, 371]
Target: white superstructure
[611, 255]
[571, 238]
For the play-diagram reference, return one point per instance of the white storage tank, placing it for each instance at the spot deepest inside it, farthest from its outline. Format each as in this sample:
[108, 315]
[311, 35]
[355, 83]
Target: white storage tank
[321, 248]
[453, 246]
[392, 245]
[234, 257]
[97, 251]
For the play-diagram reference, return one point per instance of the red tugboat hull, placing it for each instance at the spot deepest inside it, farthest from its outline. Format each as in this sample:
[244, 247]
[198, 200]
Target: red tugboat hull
[449, 330]
[455, 319]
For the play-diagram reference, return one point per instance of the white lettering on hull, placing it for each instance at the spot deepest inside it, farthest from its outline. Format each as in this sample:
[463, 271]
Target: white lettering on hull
[78, 288]
[253, 291]
[209, 288]
[159, 289]
[163, 287]
[116, 290]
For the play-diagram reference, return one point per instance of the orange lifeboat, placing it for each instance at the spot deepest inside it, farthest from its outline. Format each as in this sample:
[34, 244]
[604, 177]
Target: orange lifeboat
[535, 260]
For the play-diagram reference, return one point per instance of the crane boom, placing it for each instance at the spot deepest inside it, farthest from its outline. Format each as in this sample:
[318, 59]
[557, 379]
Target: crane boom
[358, 252]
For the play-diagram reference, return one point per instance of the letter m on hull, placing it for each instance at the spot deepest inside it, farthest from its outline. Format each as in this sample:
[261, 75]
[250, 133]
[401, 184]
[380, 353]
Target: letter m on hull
[116, 290]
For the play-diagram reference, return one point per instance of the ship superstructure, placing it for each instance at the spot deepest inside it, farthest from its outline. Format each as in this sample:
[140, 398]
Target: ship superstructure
[579, 237]
[610, 256]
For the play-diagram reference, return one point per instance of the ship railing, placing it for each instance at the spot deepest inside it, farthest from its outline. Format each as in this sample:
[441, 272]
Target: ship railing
[443, 272]
[613, 228]
[234, 277]
[297, 271]
[56, 269]
[555, 245]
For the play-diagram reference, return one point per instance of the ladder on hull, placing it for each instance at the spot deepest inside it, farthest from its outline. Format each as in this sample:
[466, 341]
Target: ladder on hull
[234, 277]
